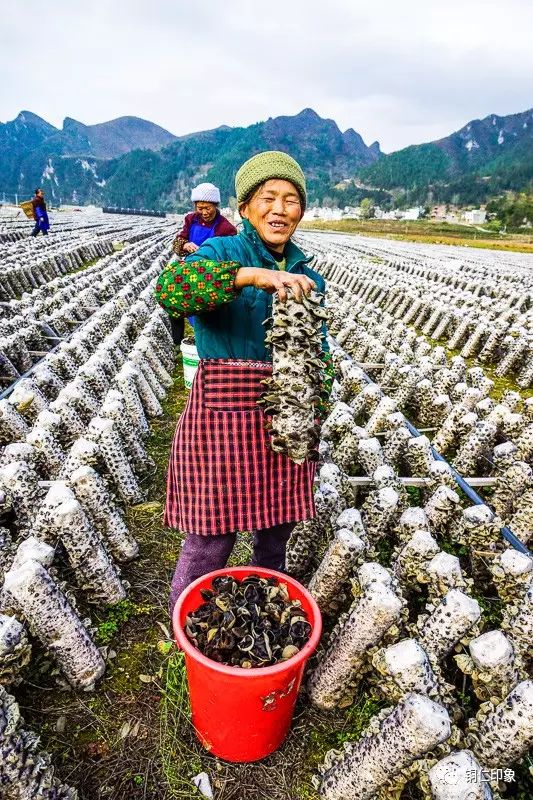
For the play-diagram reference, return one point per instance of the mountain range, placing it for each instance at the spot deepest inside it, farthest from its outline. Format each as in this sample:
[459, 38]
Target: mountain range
[134, 163]
[484, 157]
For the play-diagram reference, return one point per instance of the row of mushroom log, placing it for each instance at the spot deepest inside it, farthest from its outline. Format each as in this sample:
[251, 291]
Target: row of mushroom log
[73, 429]
[402, 574]
[405, 659]
[29, 262]
[475, 302]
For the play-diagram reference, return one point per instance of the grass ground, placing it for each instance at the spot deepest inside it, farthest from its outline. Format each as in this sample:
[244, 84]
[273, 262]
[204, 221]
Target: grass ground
[427, 232]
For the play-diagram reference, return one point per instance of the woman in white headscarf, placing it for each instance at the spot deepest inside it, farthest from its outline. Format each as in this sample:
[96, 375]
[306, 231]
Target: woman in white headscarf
[201, 224]
[204, 222]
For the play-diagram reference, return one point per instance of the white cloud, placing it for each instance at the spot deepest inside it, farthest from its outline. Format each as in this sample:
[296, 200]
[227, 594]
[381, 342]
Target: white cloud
[397, 72]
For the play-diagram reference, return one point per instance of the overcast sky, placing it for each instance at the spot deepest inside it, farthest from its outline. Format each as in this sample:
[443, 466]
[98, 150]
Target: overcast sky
[399, 71]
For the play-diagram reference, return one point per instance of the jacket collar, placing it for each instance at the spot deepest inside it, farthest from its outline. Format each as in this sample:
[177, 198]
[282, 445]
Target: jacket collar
[197, 218]
[292, 253]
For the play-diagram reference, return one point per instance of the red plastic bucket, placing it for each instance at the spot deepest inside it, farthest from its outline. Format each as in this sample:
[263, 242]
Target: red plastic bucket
[243, 714]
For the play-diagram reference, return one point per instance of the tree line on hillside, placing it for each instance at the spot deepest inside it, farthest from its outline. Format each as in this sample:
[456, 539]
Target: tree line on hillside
[484, 160]
[513, 211]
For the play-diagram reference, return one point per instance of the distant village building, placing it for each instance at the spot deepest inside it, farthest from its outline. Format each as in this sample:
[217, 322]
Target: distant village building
[451, 214]
[412, 213]
[397, 213]
[477, 216]
[352, 212]
[447, 213]
[355, 212]
[380, 214]
[232, 216]
[324, 214]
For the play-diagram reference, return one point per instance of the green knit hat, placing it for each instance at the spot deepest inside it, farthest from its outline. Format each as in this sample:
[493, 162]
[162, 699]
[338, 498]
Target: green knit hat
[264, 167]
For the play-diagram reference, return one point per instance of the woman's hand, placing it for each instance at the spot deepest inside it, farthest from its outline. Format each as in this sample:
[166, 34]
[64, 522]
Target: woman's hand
[273, 281]
[189, 247]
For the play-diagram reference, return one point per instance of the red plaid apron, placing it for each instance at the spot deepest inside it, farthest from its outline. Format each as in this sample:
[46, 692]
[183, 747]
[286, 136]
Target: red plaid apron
[223, 475]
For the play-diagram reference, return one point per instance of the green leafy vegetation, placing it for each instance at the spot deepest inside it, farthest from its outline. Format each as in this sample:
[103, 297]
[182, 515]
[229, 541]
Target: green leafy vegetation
[340, 169]
[116, 616]
[513, 211]
[415, 166]
[179, 759]
[482, 160]
[384, 550]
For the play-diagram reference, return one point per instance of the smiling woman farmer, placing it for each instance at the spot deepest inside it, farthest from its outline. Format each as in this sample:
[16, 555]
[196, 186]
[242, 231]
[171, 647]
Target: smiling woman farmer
[223, 475]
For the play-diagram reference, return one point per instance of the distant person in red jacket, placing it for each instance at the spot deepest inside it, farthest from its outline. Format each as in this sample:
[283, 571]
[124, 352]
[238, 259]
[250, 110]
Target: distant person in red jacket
[40, 214]
[204, 222]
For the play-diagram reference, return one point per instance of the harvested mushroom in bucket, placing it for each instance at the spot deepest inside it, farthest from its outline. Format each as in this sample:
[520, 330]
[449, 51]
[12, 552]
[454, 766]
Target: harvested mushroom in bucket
[248, 623]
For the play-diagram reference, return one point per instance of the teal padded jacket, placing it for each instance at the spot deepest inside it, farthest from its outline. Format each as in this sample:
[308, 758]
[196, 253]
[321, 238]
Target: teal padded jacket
[236, 329]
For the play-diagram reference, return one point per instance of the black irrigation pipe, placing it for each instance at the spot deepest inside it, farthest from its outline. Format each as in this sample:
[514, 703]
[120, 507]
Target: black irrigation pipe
[460, 481]
[472, 495]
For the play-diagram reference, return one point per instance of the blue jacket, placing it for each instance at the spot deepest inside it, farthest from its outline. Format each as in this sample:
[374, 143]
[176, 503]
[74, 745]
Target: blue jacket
[41, 216]
[236, 329]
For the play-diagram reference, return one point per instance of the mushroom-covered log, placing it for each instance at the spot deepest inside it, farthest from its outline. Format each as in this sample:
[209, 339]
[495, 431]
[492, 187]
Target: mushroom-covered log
[294, 390]
[416, 726]
[52, 619]
[339, 672]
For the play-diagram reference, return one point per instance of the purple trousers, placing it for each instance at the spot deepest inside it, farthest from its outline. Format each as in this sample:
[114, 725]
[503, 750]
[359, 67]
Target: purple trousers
[202, 554]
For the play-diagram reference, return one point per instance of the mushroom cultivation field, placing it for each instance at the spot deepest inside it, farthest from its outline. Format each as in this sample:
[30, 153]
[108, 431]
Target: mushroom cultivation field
[85, 359]
[419, 553]
[427, 583]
